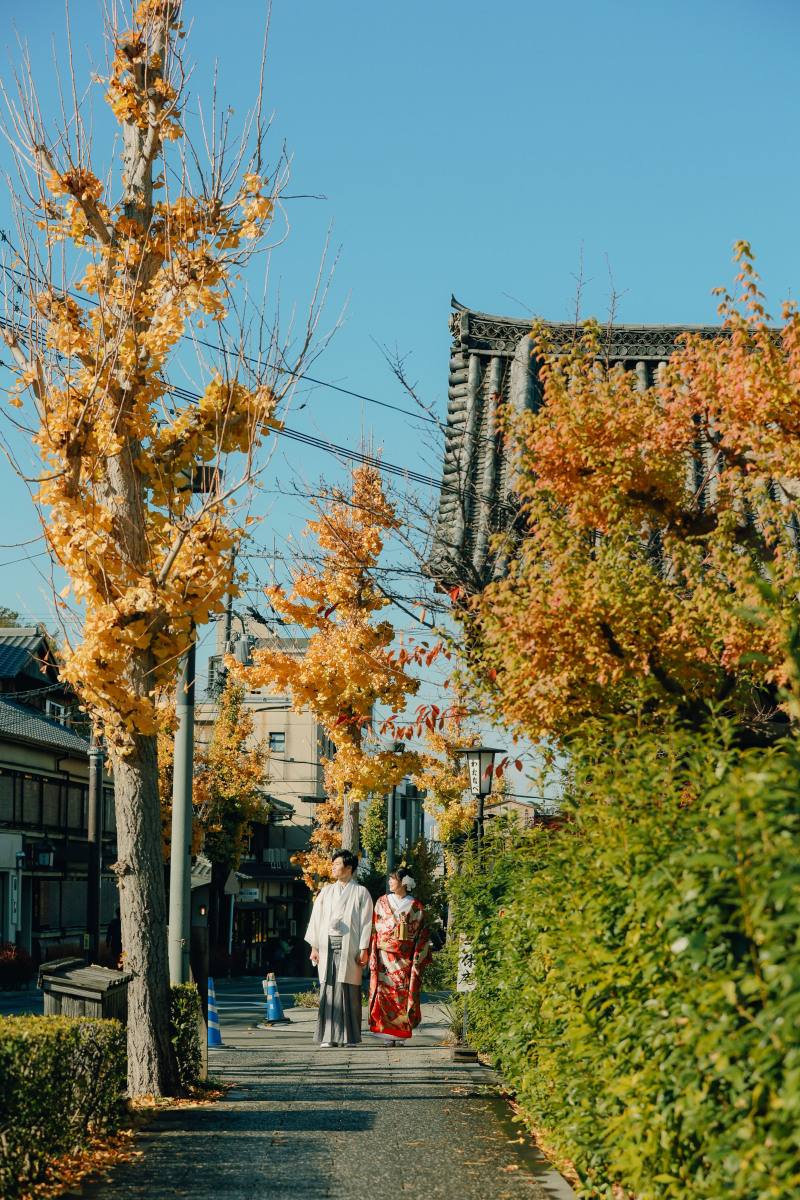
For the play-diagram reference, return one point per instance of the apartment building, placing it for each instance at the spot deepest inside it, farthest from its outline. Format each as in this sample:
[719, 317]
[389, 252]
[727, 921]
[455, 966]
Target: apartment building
[273, 904]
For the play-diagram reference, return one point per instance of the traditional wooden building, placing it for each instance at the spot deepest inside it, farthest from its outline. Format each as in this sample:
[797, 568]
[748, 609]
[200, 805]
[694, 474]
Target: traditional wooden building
[491, 367]
[44, 776]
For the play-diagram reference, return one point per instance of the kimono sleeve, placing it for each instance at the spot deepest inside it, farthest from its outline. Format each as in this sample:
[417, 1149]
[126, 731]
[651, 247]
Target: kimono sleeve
[314, 925]
[365, 913]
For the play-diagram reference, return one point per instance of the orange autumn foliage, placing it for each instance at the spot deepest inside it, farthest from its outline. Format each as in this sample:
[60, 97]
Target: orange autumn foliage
[653, 519]
[231, 776]
[116, 448]
[348, 667]
[444, 778]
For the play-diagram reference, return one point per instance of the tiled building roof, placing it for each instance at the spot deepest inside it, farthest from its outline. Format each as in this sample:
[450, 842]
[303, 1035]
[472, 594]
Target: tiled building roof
[20, 722]
[22, 650]
[490, 366]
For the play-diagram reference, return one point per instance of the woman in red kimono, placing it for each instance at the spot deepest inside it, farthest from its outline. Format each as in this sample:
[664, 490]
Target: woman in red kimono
[399, 953]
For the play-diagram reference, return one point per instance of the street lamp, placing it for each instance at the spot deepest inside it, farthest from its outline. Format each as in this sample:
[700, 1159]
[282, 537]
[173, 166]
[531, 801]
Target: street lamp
[44, 852]
[480, 761]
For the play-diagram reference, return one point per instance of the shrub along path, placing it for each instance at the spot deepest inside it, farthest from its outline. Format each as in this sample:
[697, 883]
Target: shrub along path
[304, 1122]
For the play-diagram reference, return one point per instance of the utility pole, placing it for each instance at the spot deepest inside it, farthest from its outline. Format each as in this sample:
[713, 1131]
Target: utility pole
[94, 822]
[229, 612]
[390, 820]
[180, 886]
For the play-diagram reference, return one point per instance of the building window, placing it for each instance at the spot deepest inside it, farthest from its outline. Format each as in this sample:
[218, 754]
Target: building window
[277, 743]
[56, 712]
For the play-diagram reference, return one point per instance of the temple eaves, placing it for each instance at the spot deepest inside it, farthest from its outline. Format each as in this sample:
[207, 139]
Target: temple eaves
[490, 366]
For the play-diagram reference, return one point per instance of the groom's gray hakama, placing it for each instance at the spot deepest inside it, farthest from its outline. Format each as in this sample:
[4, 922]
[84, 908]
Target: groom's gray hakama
[340, 928]
[339, 1013]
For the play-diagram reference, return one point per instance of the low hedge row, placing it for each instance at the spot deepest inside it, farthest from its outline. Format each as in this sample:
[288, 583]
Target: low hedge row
[639, 970]
[185, 1015]
[62, 1080]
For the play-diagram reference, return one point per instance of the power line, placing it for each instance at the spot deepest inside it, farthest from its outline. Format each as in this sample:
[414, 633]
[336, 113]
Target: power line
[335, 387]
[328, 447]
[25, 558]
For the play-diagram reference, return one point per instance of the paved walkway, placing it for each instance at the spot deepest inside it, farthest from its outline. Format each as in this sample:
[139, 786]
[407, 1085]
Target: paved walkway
[303, 1122]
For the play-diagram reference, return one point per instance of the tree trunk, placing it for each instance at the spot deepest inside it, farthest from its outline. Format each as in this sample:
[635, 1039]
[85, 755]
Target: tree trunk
[152, 1067]
[350, 826]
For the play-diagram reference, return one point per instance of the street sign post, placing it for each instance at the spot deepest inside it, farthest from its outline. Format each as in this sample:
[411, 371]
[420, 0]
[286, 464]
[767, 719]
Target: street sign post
[465, 983]
[232, 889]
[465, 978]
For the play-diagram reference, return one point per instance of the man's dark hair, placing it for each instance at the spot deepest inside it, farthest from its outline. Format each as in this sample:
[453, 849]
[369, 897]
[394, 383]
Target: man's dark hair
[348, 858]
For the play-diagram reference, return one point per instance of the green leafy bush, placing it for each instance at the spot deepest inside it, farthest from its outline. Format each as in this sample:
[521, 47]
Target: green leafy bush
[307, 999]
[639, 971]
[185, 1021]
[440, 973]
[62, 1080]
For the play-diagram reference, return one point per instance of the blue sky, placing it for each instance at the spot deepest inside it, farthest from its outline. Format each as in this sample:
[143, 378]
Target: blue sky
[475, 149]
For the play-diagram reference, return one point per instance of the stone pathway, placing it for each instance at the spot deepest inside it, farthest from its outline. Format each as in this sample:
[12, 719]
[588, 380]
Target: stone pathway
[303, 1122]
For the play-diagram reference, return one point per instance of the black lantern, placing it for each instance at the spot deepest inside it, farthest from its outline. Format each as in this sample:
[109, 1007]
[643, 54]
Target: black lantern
[44, 852]
[480, 760]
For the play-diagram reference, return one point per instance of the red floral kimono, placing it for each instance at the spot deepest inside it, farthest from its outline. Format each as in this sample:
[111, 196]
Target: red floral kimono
[400, 949]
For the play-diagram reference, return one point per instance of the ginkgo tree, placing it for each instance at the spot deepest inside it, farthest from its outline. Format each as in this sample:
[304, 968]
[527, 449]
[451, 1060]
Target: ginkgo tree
[660, 566]
[352, 662]
[444, 779]
[115, 268]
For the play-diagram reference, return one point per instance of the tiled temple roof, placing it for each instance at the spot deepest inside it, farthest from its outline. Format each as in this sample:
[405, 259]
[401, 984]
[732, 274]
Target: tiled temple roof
[490, 366]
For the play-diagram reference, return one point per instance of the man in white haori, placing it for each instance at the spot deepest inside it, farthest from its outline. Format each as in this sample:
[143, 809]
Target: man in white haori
[339, 934]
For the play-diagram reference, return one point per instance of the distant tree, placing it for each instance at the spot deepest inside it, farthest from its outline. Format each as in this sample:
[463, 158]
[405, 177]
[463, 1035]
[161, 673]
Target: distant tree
[8, 617]
[444, 778]
[374, 832]
[348, 667]
[231, 773]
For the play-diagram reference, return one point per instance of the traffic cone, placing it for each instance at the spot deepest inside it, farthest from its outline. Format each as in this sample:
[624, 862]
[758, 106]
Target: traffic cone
[214, 1035]
[274, 1007]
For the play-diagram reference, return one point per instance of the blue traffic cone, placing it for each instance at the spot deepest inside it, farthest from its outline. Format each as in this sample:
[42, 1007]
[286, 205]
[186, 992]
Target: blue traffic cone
[274, 1007]
[214, 1035]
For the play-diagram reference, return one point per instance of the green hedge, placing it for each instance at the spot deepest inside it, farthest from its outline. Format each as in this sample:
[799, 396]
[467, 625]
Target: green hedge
[639, 970]
[185, 1014]
[62, 1079]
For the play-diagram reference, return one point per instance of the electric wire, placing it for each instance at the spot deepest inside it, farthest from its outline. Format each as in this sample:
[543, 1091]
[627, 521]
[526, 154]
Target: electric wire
[335, 387]
[328, 447]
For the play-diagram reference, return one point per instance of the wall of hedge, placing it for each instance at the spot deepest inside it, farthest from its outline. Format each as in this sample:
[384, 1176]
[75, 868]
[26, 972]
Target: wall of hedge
[186, 1013]
[62, 1080]
[639, 970]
